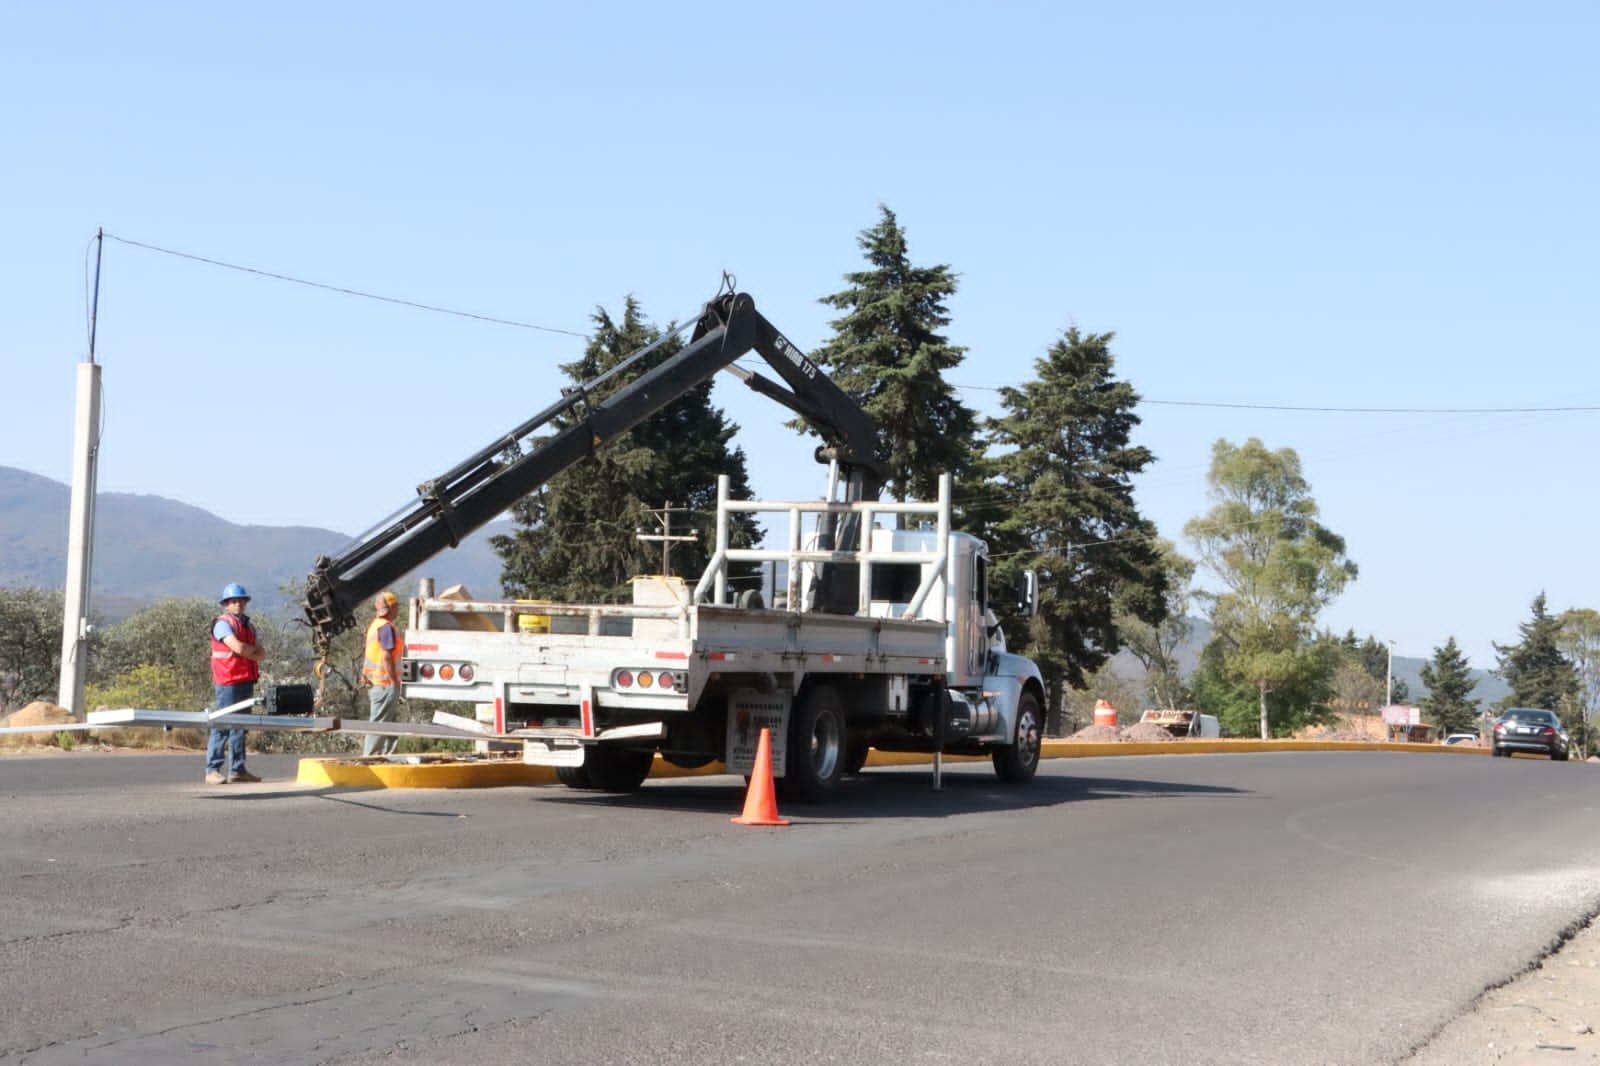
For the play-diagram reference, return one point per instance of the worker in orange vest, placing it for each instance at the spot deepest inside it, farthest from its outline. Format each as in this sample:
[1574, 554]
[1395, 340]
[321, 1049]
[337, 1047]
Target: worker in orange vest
[380, 669]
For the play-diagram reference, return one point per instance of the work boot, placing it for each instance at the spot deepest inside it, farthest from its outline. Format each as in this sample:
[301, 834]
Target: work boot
[214, 777]
[244, 776]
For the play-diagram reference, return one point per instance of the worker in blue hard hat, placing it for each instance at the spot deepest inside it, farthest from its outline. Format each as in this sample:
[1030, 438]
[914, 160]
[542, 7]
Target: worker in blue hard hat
[236, 656]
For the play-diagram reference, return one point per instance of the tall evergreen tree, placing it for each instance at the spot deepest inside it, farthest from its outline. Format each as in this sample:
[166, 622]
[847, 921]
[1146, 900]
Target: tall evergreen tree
[576, 537]
[1279, 565]
[1539, 675]
[888, 353]
[1063, 471]
[1449, 703]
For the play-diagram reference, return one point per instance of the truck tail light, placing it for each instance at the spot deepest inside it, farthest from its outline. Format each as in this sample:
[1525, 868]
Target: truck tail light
[622, 679]
[645, 679]
[425, 671]
[466, 672]
[664, 679]
[446, 672]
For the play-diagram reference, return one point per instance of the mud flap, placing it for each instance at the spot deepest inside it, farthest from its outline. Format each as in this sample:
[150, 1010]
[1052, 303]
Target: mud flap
[749, 711]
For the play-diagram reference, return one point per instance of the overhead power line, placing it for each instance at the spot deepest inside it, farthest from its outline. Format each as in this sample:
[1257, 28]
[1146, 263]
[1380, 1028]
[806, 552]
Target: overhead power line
[1376, 410]
[965, 388]
[1334, 410]
[348, 292]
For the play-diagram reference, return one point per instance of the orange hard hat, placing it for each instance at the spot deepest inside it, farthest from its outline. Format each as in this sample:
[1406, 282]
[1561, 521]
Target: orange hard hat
[387, 599]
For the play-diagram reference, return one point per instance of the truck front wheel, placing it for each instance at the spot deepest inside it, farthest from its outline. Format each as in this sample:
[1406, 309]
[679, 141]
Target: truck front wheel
[1016, 763]
[815, 760]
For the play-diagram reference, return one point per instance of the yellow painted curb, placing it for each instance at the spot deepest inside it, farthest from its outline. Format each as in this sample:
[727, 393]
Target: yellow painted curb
[442, 772]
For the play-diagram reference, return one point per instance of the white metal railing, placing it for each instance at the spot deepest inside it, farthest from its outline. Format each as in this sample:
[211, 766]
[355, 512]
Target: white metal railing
[795, 556]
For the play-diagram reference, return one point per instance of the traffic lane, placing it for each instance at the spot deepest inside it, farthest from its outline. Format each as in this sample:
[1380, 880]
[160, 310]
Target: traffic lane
[998, 923]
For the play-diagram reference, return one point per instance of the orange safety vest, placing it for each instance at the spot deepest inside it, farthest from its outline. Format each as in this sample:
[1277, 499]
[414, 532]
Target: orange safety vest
[382, 667]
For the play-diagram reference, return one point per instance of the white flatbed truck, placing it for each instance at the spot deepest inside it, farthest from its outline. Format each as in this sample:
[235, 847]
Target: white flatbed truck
[595, 690]
[884, 639]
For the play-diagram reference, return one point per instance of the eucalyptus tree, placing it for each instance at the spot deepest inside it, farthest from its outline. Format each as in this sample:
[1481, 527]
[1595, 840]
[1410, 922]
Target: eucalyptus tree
[1579, 641]
[1279, 566]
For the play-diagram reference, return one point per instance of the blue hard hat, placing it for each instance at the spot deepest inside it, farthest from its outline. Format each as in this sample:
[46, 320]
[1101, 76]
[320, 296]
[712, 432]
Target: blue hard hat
[234, 592]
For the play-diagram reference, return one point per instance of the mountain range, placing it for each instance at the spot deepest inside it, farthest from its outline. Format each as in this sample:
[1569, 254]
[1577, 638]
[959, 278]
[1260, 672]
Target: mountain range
[150, 547]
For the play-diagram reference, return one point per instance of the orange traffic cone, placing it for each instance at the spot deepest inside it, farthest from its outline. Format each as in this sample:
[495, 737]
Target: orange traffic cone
[760, 805]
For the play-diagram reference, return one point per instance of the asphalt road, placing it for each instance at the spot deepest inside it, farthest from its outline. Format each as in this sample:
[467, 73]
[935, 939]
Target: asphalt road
[1327, 908]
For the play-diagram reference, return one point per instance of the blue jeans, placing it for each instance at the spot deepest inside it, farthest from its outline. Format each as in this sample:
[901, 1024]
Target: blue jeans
[224, 739]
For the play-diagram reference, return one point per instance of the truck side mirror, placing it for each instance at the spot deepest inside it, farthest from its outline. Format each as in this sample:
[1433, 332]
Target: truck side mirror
[1028, 593]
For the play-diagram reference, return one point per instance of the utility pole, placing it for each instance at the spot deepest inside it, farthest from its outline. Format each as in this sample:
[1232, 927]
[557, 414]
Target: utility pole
[80, 520]
[1388, 680]
[666, 536]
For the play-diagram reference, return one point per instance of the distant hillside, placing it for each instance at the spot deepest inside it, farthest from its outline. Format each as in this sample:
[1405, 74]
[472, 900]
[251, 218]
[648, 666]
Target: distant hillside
[148, 547]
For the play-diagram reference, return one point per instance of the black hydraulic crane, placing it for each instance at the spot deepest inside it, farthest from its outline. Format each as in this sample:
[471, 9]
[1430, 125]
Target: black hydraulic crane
[469, 495]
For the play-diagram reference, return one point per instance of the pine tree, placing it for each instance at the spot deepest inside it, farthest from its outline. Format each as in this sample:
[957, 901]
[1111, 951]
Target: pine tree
[1539, 675]
[888, 354]
[1448, 703]
[577, 536]
[1062, 505]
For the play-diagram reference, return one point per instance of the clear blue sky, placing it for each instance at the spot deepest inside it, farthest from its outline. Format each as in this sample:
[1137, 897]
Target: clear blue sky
[1331, 205]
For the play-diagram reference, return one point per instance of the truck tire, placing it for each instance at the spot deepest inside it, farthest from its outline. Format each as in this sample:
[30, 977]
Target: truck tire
[815, 760]
[855, 756]
[574, 776]
[1016, 763]
[609, 768]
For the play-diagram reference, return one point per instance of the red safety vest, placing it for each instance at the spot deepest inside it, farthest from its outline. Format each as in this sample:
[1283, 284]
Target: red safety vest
[228, 667]
[382, 666]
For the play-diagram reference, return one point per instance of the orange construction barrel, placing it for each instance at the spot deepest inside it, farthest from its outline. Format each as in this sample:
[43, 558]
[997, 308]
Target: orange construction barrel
[1105, 714]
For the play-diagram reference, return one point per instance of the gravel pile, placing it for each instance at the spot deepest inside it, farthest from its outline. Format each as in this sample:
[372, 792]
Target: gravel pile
[1139, 732]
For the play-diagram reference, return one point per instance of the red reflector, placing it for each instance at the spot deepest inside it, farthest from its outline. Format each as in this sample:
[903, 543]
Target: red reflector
[624, 679]
[664, 679]
[426, 669]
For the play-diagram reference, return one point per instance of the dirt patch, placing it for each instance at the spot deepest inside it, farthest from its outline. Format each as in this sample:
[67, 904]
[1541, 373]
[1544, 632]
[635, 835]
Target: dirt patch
[1545, 1016]
[38, 713]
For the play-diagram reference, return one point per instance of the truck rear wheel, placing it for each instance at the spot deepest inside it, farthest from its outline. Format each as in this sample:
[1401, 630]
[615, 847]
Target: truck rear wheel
[815, 760]
[1016, 763]
[574, 776]
[615, 769]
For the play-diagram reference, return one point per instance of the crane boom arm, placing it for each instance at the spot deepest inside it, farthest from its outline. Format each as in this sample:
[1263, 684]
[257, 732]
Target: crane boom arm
[470, 495]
